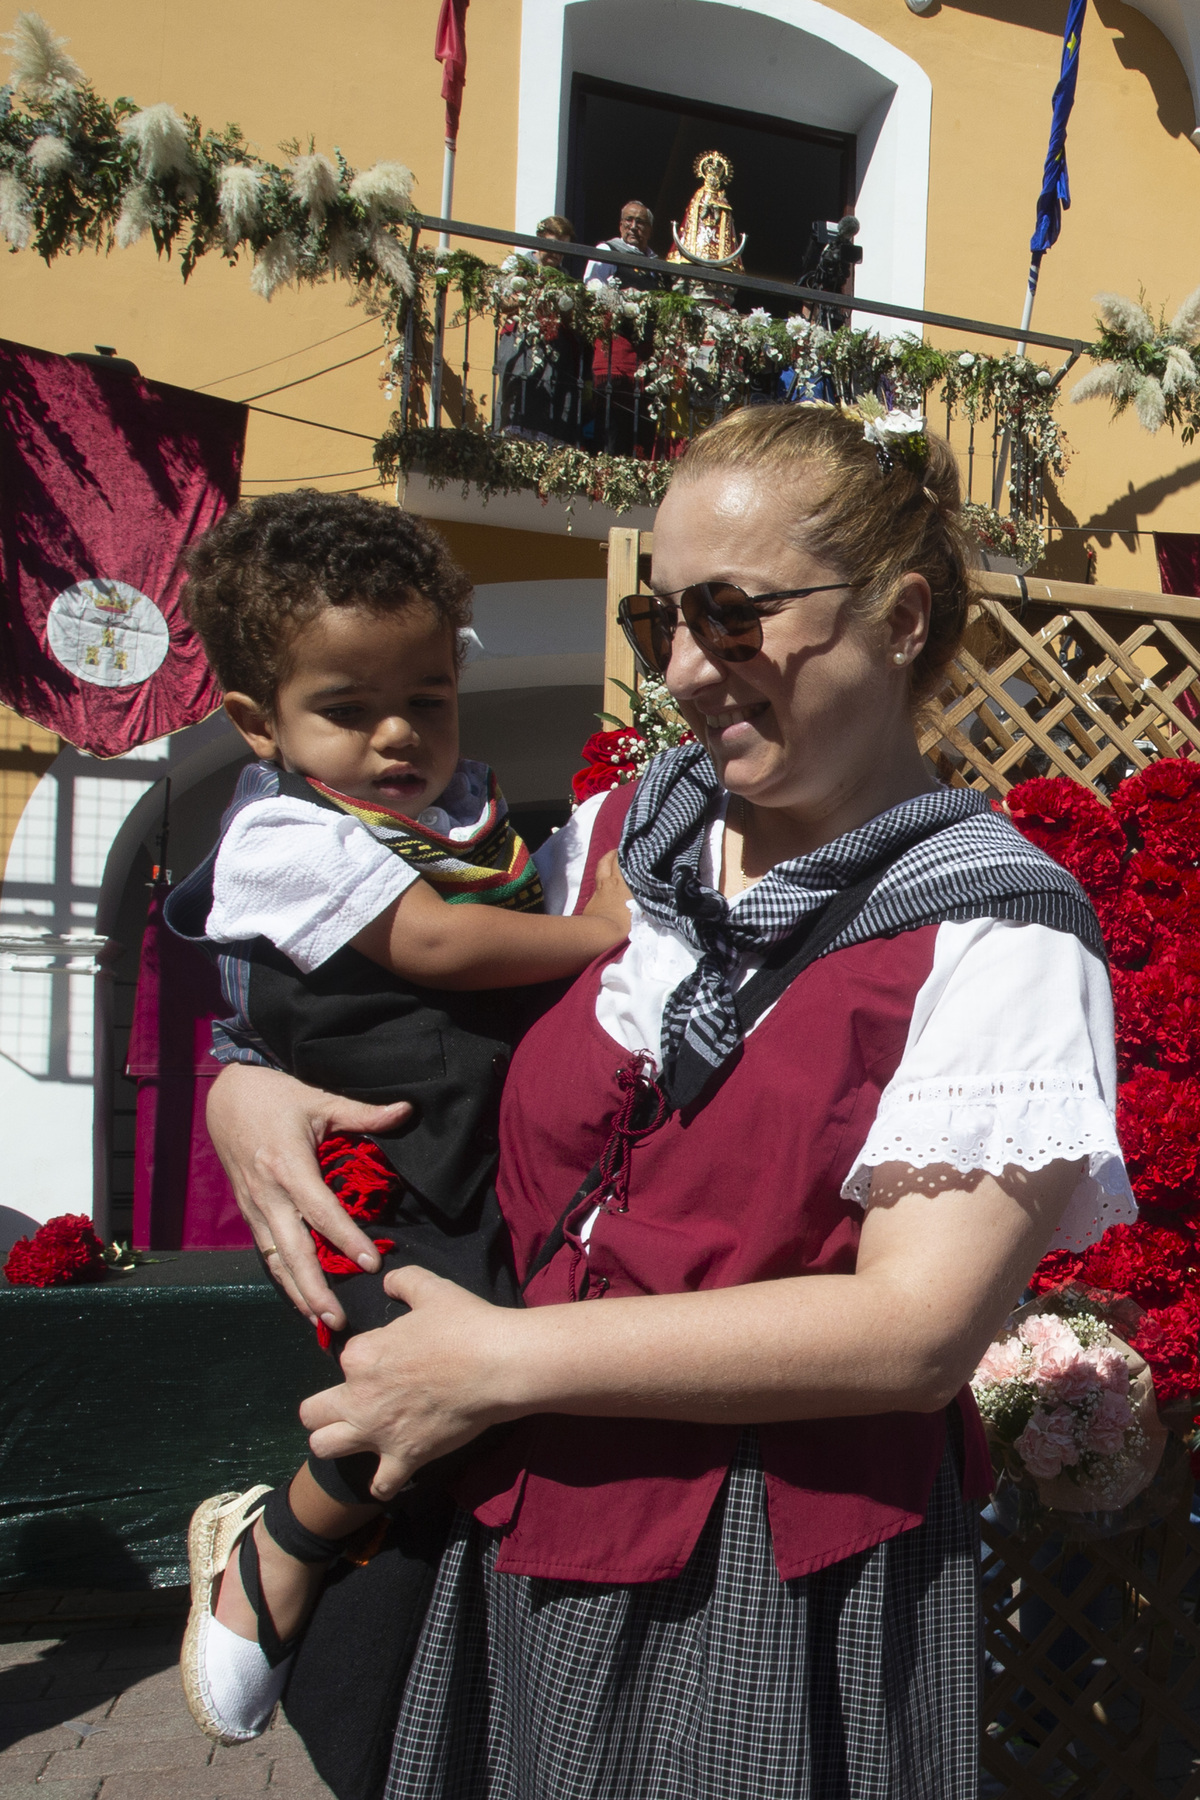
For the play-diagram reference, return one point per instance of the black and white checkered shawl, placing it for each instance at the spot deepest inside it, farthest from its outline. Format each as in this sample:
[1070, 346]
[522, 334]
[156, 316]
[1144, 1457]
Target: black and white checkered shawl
[948, 855]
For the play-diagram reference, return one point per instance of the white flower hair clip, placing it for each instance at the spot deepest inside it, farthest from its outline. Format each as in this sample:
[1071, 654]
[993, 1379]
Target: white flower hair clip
[900, 437]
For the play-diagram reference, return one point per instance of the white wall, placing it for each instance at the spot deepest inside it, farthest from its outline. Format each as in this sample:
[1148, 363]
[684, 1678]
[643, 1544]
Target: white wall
[537, 634]
[795, 59]
[1179, 22]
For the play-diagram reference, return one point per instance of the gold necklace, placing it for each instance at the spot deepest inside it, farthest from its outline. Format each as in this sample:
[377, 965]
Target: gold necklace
[748, 881]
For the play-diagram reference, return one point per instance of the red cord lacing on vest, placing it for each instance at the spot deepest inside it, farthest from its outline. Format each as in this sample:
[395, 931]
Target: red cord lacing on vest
[637, 1080]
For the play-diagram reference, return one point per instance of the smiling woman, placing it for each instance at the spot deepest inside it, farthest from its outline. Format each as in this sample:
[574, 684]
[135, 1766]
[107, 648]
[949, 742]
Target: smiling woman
[806, 1136]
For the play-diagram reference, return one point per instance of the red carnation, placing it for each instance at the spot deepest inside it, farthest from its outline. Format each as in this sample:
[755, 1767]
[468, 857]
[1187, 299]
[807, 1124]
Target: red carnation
[612, 758]
[1169, 1339]
[1056, 1268]
[1158, 1010]
[61, 1251]
[1170, 890]
[1131, 934]
[1158, 1121]
[1069, 823]
[1148, 1262]
[356, 1170]
[1162, 804]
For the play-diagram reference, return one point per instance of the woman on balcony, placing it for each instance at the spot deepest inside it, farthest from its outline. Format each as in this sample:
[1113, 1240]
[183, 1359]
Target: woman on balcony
[728, 1547]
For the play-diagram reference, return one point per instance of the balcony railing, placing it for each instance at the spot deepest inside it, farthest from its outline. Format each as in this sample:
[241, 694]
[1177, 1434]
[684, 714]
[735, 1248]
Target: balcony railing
[513, 375]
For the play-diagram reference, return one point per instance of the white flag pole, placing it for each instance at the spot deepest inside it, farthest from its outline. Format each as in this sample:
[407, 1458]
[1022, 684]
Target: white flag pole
[439, 305]
[1035, 269]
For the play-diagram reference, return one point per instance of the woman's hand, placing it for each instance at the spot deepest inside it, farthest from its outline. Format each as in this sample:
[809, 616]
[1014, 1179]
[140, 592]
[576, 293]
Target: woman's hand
[420, 1387]
[266, 1127]
[942, 1259]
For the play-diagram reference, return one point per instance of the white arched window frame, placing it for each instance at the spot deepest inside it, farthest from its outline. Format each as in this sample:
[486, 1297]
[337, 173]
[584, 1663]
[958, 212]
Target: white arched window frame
[793, 59]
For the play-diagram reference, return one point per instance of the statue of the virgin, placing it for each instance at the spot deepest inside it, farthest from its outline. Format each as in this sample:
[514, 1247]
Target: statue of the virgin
[707, 233]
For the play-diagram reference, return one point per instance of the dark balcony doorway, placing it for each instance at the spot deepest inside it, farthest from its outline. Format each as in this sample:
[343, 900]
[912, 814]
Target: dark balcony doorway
[629, 143]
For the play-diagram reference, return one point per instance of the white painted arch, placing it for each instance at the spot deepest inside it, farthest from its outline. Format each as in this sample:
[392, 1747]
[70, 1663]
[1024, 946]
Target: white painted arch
[794, 59]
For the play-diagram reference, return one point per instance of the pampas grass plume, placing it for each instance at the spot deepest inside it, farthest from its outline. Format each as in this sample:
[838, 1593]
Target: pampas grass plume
[1180, 371]
[384, 190]
[343, 245]
[389, 258]
[51, 156]
[135, 218]
[315, 181]
[1126, 316]
[1149, 403]
[275, 264]
[1186, 323]
[40, 64]
[160, 138]
[15, 204]
[239, 197]
[1107, 381]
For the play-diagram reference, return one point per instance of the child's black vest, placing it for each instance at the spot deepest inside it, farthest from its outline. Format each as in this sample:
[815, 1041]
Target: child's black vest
[355, 1029]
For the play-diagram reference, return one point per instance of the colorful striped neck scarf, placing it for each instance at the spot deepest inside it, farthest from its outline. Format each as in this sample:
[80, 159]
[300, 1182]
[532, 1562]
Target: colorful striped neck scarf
[492, 867]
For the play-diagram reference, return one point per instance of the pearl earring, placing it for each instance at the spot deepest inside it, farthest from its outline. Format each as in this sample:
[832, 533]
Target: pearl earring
[898, 656]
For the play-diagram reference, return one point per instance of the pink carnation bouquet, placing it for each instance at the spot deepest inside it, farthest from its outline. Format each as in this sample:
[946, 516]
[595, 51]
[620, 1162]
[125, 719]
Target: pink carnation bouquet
[1069, 1409]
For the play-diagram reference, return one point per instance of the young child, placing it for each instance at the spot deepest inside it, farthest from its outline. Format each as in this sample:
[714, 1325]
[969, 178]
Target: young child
[368, 901]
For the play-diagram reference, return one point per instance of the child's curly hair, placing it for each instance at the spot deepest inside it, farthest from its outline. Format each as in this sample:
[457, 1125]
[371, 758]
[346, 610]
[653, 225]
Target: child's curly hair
[271, 564]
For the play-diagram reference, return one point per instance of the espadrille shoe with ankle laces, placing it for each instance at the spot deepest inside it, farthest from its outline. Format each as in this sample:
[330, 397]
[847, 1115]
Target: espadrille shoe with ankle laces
[231, 1685]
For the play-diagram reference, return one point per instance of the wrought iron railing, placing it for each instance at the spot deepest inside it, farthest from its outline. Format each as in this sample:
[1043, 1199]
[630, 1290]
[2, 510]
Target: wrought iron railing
[509, 374]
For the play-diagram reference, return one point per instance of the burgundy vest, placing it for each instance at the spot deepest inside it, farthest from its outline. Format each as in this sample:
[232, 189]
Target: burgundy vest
[748, 1189]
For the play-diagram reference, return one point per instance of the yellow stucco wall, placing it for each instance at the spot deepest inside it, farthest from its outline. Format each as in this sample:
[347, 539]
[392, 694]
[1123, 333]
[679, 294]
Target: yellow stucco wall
[1135, 190]
[363, 77]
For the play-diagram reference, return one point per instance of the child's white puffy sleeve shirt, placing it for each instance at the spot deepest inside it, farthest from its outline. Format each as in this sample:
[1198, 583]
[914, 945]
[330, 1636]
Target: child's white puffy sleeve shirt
[309, 879]
[1009, 1057]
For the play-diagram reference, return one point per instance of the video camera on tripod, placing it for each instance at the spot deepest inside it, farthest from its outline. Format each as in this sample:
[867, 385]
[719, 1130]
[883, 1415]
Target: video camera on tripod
[829, 260]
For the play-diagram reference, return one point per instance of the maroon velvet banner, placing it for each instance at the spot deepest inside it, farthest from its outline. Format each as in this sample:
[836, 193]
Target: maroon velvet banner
[1178, 561]
[104, 481]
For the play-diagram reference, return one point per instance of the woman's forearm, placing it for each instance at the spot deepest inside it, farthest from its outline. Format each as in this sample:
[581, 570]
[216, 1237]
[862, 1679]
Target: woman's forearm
[939, 1267]
[937, 1274]
[810, 1347]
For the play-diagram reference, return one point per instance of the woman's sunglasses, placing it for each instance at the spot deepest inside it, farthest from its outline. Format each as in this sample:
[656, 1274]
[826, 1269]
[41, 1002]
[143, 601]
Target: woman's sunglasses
[724, 620]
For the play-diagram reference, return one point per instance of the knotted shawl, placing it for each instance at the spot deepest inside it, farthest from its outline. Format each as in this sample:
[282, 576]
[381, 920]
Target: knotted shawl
[947, 855]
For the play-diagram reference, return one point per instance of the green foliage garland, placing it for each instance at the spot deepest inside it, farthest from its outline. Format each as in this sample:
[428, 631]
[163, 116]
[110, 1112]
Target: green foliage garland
[80, 173]
[510, 465]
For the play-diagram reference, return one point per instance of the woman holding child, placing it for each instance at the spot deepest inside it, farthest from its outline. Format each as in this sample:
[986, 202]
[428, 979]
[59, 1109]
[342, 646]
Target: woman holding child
[804, 1133]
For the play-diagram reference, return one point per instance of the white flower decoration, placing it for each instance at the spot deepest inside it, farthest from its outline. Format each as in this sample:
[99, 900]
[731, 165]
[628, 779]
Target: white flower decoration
[758, 315]
[966, 360]
[889, 432]
[1044, 378]
[797, 327]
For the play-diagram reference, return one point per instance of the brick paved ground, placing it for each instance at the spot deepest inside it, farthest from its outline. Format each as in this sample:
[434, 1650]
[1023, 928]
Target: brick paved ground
[91, 1709]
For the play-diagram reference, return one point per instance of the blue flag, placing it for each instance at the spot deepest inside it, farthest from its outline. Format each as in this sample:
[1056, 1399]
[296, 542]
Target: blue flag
[1056, 191]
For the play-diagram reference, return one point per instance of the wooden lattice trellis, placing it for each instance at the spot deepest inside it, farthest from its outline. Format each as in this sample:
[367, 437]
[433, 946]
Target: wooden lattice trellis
[1093, 1655]
[1062, 679]
[1093, 1650]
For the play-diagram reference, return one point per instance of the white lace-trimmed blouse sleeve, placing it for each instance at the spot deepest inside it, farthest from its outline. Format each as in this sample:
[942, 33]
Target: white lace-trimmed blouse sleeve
[1009, 1060]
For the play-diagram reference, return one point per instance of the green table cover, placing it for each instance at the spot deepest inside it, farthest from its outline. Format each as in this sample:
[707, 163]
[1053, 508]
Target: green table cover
[124, 1402]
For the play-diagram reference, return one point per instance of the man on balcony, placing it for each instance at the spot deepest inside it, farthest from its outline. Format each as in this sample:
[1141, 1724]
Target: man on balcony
[621, 426]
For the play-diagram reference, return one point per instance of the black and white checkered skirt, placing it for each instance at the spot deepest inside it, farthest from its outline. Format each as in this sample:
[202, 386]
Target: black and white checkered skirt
[726, 1683]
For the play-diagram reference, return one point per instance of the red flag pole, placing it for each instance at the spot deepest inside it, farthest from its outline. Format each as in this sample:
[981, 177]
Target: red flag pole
[450, 49]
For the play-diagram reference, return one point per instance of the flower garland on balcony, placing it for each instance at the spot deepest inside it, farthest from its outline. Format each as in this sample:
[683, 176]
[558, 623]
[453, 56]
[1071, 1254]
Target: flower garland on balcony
[78, 172]
[700, 358]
